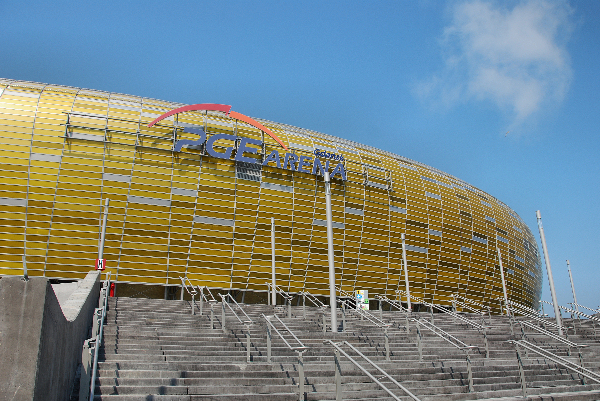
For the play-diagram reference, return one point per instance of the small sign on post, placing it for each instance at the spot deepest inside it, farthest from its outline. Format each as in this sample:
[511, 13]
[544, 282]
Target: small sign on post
[100, 264]
[362, 299]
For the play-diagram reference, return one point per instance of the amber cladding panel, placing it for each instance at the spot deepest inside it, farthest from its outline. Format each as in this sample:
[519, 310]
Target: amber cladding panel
[65, 150]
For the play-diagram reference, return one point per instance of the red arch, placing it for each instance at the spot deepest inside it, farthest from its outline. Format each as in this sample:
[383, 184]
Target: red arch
[225, 109]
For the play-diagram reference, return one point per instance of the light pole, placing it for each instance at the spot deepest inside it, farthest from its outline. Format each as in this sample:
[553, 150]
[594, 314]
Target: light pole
[572, 286]
[503, 281]
[103, 234]
[549, 270]
[406, 275]
[332, 294]
[273, 283]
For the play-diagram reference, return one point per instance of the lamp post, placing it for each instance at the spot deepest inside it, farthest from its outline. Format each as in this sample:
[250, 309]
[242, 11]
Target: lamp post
[549, 270]
[409, 306]
[572, 286]
[503, 281]
[332, 294]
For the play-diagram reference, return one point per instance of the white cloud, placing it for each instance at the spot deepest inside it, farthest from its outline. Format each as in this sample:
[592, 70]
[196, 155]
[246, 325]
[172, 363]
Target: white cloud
[514, 57]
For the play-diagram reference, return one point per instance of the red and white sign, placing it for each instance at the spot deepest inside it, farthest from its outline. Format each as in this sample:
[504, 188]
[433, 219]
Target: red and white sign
[100, 264]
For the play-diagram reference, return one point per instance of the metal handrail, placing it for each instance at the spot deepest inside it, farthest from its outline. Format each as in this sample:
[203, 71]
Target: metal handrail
[526, 308]
[442, 334]
[193, 292]
[585, 307]
[279, 290]
[313, 299]
[370, 317]
[448, 311]
[232, 311]
[530, 315]
[469, 300]
[392, 302]
[574, 312]
[557, 359]
[355, 363]
[550, 334]
[299, 348]
[99, 337]
[201, 290]
[465, 306]
[248, 319]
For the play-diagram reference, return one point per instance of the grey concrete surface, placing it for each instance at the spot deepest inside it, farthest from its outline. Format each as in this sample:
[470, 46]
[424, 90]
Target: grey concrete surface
[40, 342]
[64, 290]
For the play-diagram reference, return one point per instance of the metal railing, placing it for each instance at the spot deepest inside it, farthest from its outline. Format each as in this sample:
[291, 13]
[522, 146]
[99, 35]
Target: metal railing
[299, 349]
[574, 312]
[450, 339]
[398, 305]
[246, 322]
[88, 379]
[579, 369]
[535, 316]
[338, 371]
[278, 290]
[547, 333]
[190, 289]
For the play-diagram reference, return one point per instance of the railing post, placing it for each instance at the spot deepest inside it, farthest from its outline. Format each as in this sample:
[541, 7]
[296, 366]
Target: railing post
[338, 375]
[212, 316]
[521, 370]
[289, 308]
[268, 340]
[86, 365]
[387, 344]
[489, 314]
[248, 344]
[201, 299]
[268, 294]
[485, 340]
[223, 315]
[193, 304]
[470, 373]
[96, 321]
[324, 322]
[380, 310]
[304, 305]
[407, 324]
[343, 316]
[300, 376]
[419, 345]
[431, 312]
[581, 363]
[510, 319]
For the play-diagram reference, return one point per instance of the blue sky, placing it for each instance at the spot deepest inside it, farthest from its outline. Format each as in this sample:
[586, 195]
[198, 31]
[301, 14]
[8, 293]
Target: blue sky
[438, 82]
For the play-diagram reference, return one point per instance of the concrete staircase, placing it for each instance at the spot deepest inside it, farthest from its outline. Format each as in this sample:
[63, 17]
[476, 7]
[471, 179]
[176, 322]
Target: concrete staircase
[156, 350]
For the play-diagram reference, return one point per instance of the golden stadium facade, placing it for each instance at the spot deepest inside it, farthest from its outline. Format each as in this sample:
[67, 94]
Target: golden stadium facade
[176, 212]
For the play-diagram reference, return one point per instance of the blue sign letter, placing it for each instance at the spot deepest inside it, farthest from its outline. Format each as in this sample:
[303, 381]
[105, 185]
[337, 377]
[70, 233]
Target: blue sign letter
[273, 157]
[216, 137]
[239, 155]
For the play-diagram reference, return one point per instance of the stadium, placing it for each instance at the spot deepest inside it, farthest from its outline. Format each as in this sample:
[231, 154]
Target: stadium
[193, 189]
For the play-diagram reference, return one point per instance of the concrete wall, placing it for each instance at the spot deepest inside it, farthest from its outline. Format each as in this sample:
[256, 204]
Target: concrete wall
[40, 342]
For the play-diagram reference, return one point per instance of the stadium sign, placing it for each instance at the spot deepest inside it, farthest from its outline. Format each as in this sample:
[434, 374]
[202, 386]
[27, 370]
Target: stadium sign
[249, 146]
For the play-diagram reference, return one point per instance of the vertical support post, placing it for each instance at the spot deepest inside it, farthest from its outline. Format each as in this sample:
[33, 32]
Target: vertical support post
[470, 373]
[289, 308]
[103, 234]
[549, 271]
[304, 305]
[419, 344]
[431, 312]
[223, 315]
[581, 363]
[193, 304]
[201, 300]
[387, 343]
[343, 316]
[212, 316]
[324, 322]
[248, 344]
[273, 282]
[454, 304]
[485, 340]
[332, 293]
[573, 289]
[25, 275]
[300, 376]
[268, 340]
[407, 324]
[409, 306]
[503, 281]
[338, 375]
[380, 309]
[521, 371]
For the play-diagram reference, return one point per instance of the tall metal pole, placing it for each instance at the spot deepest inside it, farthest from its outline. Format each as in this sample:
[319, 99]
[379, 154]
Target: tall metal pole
[572, 286]
[273, 283]
[549, 270]
[332, 294]
[406, 274]
[103, 234]
[503, 281]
